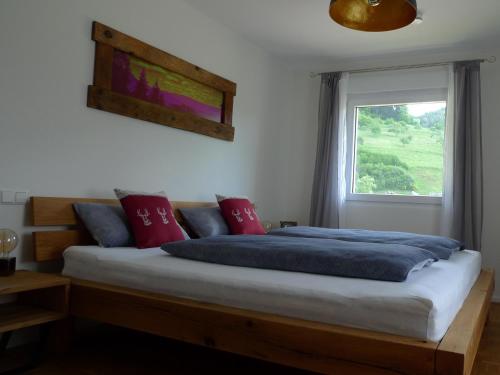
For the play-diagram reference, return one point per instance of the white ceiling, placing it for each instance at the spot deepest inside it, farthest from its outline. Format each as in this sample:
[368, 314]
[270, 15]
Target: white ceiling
[301, 30]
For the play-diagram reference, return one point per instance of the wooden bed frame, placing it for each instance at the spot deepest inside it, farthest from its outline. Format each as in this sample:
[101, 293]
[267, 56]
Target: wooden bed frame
[294, 342]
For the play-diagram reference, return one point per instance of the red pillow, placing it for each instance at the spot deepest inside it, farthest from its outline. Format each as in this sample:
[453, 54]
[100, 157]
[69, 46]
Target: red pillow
[151, 218]
[240, 216]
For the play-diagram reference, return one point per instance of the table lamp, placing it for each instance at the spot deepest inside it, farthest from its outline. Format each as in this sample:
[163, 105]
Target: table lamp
[8, 242]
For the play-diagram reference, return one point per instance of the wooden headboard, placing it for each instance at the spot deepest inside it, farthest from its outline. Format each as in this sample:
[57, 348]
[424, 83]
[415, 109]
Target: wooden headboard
[56, 211]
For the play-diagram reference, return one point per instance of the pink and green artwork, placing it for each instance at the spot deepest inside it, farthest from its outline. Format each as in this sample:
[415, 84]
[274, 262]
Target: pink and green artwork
[141, 80]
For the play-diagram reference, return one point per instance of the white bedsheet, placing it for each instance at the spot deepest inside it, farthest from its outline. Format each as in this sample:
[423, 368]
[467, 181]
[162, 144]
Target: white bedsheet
[422, 307]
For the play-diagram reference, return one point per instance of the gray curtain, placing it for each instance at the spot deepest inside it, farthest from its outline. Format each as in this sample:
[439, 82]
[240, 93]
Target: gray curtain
[467, 222]
[324, 203]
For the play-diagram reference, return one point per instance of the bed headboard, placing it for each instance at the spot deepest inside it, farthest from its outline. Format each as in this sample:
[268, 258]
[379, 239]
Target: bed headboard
[57, 211]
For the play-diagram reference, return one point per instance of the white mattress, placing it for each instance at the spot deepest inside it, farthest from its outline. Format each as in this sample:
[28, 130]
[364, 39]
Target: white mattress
[422, 307]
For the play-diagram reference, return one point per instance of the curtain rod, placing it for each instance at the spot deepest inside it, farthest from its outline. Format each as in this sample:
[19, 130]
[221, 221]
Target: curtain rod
[490, 59]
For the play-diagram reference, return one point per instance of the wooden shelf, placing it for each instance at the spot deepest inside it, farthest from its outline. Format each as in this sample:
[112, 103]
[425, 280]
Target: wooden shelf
[14, 316]
[23, 281]
[40, 298]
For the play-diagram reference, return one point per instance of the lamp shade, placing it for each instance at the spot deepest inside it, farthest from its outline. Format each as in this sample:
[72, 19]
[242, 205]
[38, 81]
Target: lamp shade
[373, 15]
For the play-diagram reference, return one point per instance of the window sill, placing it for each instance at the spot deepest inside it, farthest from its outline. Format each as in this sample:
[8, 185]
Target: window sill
[405, 199]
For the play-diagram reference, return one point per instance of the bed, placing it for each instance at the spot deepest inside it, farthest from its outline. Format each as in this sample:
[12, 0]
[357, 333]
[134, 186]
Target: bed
[422, 307]
[319, 323]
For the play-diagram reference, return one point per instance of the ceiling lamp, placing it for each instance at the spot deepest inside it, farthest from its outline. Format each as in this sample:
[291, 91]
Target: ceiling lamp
[373, 15]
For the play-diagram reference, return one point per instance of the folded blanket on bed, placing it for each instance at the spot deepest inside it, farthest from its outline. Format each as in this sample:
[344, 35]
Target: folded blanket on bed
[319, 256]
[441, 247]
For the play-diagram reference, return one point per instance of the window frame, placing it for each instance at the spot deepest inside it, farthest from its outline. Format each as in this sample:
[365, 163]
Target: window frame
[385, 98]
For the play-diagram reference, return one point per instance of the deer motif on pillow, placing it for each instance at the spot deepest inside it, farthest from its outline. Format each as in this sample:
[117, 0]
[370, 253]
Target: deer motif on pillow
[144, 216]
[163, 214]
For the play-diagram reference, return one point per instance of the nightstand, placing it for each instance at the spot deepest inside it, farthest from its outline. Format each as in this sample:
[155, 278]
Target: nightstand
[41, 299]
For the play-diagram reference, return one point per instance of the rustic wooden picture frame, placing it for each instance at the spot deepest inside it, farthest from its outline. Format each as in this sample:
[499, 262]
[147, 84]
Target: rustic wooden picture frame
[101, 96]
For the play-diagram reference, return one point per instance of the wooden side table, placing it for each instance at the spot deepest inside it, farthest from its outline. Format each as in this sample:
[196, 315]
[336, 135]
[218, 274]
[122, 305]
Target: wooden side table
[41, 299]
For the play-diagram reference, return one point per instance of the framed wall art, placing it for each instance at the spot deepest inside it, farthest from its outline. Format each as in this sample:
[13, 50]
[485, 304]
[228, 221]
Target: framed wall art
[134, 79]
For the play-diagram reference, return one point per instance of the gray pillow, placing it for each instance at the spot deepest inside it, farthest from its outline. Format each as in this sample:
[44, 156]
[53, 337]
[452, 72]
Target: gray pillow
[107, 224]
[205, 222]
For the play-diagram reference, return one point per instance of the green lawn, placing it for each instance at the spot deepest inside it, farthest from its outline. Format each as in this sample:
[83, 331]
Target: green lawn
[423, 155]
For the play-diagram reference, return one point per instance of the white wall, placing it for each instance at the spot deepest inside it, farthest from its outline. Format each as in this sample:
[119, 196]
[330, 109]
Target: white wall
[419, 218]
[52, 144]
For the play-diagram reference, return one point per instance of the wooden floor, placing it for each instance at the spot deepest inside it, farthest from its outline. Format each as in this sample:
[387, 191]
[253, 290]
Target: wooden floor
[488, 359]
[111, 351]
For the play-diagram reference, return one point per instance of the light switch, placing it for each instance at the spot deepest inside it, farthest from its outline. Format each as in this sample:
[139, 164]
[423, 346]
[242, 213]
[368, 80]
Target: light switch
[8, 196]
[21, 197]
[14, 197]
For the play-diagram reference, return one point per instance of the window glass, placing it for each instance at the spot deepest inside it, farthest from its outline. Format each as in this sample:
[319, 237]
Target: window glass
[399, 149]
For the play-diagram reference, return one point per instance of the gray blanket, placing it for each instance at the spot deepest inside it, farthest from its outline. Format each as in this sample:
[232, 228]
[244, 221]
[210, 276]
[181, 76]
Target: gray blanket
[310, 255]
[441, 247]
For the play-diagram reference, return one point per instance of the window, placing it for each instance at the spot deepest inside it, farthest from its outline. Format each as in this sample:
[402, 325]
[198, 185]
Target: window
[396, 148]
